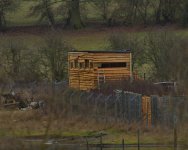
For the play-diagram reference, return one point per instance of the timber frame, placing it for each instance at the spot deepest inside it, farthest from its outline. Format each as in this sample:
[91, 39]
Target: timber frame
[90, 69]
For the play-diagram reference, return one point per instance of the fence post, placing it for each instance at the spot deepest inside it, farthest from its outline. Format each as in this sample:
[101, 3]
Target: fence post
[116, 100]
[138, 139]
[101, 145]
[71, 104]
[175, 131]
[123, 144]
[87, 144]
[105, 110]
[129, 108]
[175, 138]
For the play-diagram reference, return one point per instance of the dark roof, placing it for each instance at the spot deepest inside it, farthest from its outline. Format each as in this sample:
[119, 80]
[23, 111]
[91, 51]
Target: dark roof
[104, 51]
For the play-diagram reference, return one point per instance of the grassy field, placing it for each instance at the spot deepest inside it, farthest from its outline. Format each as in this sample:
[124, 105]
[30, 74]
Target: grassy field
[33, 124]
[85, 39]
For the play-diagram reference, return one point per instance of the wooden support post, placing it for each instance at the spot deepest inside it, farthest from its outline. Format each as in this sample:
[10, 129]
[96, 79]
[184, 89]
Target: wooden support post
[147, 121]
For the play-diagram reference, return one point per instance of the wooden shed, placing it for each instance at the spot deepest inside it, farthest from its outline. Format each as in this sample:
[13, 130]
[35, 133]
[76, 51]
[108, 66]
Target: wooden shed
[90, 69]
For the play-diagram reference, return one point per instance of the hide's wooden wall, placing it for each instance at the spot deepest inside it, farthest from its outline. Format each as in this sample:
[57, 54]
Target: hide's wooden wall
[86, 78]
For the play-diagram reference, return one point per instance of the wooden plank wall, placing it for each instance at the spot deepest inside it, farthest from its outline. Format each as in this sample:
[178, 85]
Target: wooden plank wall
[86, 78]
[146, 110]
[81, 78]
[111, 57]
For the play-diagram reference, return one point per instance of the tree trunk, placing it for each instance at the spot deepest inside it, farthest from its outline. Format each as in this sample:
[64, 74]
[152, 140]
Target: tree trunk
[74, 19]
[1, 20]
[1, 23]
[158, 14]
[105, 10]
[49, 14]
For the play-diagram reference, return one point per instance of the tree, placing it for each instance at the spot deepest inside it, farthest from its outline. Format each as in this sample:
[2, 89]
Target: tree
[165, 10]
[185, 13]
[43, 9]
[129, 41]
[11, 51]
[54, 57]
[6, 6]
[103, 7]
[143, 9]
[74, 17]
[18, 63]
[167, 53]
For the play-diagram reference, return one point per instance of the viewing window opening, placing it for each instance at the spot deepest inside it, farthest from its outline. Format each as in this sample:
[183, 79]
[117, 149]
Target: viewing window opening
[71, 65]
[86, 63]
[81, 65]
[113, 65]
[91, 64]
[76, 63]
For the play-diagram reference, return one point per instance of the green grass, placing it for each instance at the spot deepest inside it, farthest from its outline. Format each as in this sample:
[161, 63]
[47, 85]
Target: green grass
[89, 41]
[85, 39]
[112, 138]
[19, 17]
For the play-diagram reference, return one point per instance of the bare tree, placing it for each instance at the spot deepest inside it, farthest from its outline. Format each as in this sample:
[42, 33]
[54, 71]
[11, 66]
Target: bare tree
[43, 9]
[103, 7]
[18, 62]
[54, 57]
[6, 6]
[12, 58]
[184, 12]
[143, 9]
[168, 54]
[130, 42]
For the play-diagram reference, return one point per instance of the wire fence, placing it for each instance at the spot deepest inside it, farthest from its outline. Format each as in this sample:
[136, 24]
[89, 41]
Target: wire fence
[119, 106]
[128, 107]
